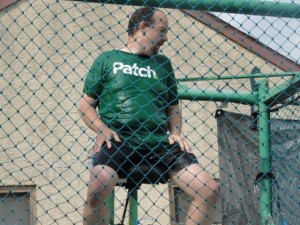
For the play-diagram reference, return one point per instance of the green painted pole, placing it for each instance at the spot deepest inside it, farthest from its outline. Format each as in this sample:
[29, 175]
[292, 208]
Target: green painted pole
[265, 157]
[251, 7]
[240, 76]
[111, 205]
[195, 94]
[133, 207]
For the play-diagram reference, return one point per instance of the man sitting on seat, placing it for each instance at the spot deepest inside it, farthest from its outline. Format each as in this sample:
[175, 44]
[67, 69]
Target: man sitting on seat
[139, 118]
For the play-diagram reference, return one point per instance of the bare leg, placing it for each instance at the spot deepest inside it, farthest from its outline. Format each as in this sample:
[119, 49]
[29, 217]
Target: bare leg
[199, 185]
[102, 182]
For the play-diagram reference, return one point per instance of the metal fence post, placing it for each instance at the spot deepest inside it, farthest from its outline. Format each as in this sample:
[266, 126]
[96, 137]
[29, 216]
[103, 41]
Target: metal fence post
[265, 157]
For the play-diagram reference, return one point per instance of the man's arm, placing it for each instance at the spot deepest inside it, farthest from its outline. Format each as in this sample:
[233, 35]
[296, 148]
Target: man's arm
[175, 119]
[174, 126]
[88, 112]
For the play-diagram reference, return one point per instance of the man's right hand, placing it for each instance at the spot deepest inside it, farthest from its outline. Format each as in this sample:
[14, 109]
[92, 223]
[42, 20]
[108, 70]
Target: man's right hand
[88, 112]
[105, 135]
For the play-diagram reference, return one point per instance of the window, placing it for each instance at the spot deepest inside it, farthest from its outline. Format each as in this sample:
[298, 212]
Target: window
[17, 205]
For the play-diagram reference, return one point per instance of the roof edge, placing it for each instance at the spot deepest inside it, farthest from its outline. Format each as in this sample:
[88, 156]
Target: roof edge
[245, 40]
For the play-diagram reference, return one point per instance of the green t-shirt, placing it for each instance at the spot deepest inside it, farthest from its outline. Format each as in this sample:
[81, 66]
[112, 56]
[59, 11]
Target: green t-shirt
[133, 92]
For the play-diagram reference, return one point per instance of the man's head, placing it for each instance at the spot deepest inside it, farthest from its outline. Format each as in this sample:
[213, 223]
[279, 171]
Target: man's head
[148, 27]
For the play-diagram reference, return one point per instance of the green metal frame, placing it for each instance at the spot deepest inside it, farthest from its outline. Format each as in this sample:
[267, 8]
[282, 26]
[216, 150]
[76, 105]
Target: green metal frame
[132, 207]
[276, 95]
[265, 156]
[264, 98]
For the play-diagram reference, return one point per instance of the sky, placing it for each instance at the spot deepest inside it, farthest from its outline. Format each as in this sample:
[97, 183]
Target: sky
[280, 34]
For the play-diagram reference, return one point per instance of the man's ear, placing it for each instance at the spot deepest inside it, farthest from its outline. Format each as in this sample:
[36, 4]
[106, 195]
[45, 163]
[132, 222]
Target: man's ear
[142, 27]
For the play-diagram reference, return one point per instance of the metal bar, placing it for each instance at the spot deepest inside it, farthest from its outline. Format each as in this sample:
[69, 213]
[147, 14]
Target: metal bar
[240, 76]
[251, 7]
[133, 207]
[111, 206]
[195, 94]
[284, 91]
[265, 157]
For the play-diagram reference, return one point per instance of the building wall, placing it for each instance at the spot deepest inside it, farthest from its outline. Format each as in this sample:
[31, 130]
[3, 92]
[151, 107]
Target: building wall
[46, 49]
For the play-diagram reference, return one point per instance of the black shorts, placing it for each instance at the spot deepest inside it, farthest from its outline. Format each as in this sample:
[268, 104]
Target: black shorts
[169, 158]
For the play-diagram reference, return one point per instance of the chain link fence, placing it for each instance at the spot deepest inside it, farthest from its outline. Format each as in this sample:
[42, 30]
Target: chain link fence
[235, 61]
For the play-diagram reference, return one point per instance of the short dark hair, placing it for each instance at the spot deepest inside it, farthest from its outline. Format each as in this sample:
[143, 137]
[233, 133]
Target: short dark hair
[144, 14]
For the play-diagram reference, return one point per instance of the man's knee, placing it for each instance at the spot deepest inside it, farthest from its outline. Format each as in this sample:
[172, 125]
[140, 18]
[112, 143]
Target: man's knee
[213, 185]
[101, 184]
[93, 200]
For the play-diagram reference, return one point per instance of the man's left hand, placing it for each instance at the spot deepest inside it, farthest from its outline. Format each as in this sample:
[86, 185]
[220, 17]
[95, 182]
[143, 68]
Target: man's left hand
[181, 141]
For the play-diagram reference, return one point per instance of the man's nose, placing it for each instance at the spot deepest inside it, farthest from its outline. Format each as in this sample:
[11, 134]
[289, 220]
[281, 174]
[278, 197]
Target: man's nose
[164, 37]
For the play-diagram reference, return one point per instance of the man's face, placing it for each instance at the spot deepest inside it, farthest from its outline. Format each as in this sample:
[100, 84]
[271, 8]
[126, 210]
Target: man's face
[156, 34]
